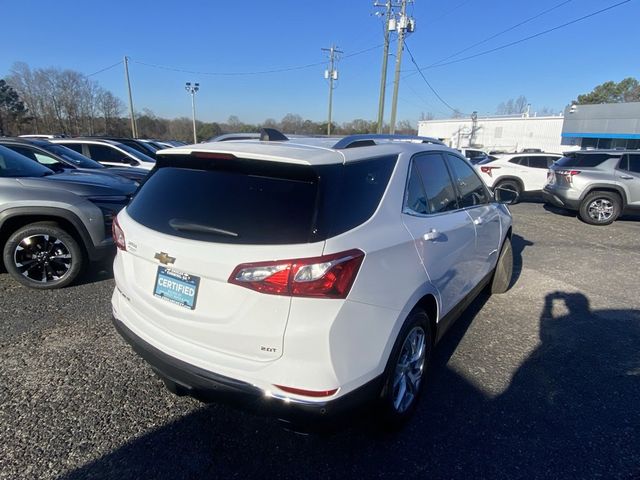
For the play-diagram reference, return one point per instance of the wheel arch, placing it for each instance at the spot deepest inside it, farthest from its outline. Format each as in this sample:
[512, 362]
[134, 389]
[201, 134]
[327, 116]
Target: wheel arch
[509, 177]
[15, 218]
[605, 187]
[429, 304]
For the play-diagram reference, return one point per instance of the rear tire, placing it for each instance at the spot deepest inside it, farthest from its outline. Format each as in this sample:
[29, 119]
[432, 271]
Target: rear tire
[511, 185]
[600, 208]
[504, 269]
[43, 255]
[406, 371]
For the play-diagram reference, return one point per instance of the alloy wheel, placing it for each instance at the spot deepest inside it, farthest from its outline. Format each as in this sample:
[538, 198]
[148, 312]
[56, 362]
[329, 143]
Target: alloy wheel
[600, 209]
[409, 370]
[42, 258]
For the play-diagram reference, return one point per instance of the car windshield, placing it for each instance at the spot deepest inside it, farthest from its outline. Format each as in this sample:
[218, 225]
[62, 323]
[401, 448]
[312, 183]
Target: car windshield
[136, 153]
[13, 164]
[72, 156]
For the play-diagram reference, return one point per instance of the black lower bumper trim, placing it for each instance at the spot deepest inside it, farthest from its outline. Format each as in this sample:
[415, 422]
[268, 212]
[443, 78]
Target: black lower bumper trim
[558, 201]
[183, 378]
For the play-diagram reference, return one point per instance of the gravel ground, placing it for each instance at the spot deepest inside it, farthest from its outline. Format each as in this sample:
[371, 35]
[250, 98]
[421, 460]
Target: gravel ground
[542, 382]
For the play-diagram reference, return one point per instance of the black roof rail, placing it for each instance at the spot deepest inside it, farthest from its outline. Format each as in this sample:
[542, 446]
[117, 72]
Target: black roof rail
[368, 139]
[272, 135]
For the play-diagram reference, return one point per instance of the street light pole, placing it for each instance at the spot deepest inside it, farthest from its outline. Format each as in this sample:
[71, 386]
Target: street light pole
[192, 89]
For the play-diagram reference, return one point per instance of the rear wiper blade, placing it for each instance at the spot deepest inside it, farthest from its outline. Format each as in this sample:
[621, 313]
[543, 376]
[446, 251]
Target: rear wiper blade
[188, 226]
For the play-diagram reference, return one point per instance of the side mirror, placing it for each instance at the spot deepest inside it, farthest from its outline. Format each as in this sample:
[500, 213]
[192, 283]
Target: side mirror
[506, 195]
[131, 161]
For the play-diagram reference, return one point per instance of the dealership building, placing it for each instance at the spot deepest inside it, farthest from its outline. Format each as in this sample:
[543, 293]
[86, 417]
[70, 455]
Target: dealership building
[611, 125]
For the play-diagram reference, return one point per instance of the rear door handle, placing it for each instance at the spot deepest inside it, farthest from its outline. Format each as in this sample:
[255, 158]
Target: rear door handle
[431, 235]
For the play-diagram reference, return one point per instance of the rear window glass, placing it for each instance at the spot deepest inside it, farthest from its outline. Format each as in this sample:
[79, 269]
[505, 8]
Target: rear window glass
[256, 202]
[583, 160]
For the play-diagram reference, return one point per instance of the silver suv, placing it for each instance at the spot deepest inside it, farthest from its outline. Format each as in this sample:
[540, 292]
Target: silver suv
[599, 184]
[52, 224]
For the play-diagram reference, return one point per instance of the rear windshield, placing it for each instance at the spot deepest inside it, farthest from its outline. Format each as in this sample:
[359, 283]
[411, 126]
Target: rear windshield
[583, 159]
[257, 202]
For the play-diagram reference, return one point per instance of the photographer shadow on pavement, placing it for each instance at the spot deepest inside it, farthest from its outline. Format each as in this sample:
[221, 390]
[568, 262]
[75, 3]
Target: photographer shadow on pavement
[571, 410]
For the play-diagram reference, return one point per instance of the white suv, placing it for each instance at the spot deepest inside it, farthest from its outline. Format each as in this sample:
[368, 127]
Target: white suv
[522, 172]
[304, 276]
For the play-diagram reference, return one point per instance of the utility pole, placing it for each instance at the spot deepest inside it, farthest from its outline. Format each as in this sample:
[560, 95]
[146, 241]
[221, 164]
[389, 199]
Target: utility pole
[385, 57]
[404, 24]
[331, 74]
[474, 128]
[192, 89]
[134, 126]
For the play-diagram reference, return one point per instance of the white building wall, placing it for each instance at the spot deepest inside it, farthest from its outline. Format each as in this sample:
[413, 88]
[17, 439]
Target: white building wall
[498, 133]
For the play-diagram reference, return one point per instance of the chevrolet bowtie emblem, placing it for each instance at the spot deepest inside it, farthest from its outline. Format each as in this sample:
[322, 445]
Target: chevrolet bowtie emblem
[164, 258]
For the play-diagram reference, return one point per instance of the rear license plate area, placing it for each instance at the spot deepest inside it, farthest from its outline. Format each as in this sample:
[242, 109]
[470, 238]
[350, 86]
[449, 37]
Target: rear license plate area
[176, 287]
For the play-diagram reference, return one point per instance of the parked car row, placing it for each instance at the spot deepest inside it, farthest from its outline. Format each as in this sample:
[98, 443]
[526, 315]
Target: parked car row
[58, 198]
[52, 223]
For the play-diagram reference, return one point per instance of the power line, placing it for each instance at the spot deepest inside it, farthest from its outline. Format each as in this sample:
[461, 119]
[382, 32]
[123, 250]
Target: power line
[105, 69]
[413, 60]
[502, 32]
[444, 14]
[516, 42]
[257, 72]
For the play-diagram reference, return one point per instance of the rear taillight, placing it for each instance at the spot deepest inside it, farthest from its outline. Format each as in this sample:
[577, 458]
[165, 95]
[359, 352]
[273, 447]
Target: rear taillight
[568, 174]
[118, 235]
[329, 276]
[488, 170]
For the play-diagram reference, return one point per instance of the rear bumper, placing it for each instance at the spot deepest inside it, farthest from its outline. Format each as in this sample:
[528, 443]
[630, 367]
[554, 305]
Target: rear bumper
[103, 252]
[182, 378]
[556, 198]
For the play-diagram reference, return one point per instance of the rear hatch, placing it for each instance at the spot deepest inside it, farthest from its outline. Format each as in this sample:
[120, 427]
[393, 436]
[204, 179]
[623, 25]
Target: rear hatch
[561, 173]
[204, 230]
[192, 224]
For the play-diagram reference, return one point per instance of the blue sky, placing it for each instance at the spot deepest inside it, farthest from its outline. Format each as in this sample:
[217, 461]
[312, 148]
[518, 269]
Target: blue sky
[249, 36]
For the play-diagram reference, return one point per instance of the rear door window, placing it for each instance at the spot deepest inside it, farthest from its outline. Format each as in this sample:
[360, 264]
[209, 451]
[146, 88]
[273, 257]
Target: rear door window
[415, 197]
[634, 163]
[103, 153]
[471, 190]
[538, 162]
[441, 195]
[76, 147]
[524, 161]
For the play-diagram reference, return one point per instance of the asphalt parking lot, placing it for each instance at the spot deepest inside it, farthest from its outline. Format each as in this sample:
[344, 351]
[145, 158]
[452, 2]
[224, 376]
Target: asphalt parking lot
[542, 382]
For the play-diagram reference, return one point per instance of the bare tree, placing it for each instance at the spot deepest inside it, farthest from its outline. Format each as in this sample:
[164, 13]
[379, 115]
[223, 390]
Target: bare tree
[513, 106]
[64, 101]
[520, 104]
